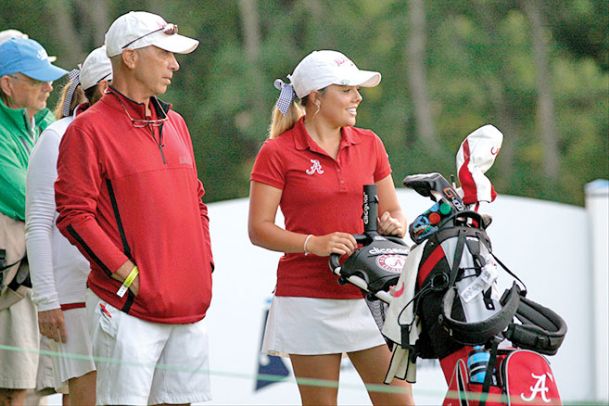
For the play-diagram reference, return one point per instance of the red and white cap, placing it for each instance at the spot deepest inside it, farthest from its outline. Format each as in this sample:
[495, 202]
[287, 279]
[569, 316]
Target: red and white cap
[323, 68]
[139, 29]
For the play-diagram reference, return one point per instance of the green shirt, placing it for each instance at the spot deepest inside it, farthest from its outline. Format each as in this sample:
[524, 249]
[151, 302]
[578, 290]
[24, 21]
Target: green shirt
[17, 138]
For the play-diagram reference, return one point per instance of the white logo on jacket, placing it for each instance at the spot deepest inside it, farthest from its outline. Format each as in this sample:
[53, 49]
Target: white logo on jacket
[315, 167]
[540, 387]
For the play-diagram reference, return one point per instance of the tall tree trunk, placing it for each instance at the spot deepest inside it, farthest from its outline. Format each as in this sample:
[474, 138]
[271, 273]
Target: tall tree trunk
[251, 32]
[504, 108]
[66, 34]
[545, 100]
[250, 24]
[96, 14]
[417, 74]
[511, 132]
[317, 30]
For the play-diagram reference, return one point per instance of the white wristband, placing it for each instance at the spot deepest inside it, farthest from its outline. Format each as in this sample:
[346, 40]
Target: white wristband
[305, 244]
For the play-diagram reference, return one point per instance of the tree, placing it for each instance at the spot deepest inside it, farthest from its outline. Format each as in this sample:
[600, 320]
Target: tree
[67, 36]
[545, 101]
[417, 77]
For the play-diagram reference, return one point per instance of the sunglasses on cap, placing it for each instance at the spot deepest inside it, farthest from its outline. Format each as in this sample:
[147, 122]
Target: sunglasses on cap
[169, 29]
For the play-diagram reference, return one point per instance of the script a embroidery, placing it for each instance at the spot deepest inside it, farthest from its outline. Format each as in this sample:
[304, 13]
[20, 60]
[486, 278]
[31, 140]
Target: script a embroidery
[540, 387]
[315, 167]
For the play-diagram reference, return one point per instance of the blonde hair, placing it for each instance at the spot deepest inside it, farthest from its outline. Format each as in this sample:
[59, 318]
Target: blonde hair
[77, 98]
[281, 123]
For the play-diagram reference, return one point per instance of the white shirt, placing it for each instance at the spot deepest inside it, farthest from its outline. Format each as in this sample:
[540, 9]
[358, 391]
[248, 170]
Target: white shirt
[58, 271]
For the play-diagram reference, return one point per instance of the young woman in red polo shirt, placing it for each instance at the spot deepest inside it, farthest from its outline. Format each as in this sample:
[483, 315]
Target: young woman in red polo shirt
[313, 167]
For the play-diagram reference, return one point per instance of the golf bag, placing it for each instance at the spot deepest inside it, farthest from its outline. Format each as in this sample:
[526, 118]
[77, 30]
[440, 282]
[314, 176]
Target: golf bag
[455, 303]
[447, 298]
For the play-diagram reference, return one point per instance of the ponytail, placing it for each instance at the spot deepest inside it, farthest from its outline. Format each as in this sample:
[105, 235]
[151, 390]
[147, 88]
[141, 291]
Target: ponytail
[72, 95]
[77, 97]
[287, 110]
[280, 122]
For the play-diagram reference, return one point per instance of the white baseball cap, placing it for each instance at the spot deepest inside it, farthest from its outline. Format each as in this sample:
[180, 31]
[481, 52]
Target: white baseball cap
[323, 68]
[139, 29]
[95, 68]
[12, 33]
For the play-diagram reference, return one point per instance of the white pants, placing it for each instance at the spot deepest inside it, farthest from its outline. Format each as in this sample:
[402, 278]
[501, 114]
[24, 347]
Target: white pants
[140, 362]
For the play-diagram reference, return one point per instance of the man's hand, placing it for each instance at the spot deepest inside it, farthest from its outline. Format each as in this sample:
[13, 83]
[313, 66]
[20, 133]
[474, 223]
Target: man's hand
[52, 325]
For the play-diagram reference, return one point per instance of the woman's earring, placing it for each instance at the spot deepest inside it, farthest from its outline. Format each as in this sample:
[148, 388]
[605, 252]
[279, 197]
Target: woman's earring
[318, 105]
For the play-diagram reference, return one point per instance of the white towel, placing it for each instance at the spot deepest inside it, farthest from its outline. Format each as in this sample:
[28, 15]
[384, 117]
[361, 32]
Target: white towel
[401, 313]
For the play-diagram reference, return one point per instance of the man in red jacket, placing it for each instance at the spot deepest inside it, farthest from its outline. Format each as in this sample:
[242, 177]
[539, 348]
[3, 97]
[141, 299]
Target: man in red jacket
[129, 198]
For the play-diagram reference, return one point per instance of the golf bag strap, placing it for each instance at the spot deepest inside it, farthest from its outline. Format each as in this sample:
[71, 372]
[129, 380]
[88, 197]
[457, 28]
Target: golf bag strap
[454, 270]
[477, 333]
[489, 370]
[524, 290]
[542, 329]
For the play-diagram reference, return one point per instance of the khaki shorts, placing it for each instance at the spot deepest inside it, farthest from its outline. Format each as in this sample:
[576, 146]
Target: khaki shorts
[20, 342]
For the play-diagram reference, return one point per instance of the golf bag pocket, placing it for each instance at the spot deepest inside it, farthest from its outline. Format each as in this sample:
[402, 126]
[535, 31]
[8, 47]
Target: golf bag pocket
[524, 378]
[462, 392]
[528, 379]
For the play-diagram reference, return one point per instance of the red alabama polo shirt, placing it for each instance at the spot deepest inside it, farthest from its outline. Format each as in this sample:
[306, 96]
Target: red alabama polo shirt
[320, 195]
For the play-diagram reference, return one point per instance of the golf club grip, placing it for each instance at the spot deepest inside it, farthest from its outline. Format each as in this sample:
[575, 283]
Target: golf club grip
[371, 209]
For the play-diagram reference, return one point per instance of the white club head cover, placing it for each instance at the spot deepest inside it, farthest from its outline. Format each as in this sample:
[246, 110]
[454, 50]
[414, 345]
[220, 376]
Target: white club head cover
[476, 155]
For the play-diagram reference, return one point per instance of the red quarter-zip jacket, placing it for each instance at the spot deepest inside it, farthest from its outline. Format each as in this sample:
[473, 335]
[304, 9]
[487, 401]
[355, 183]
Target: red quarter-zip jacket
[124, 192]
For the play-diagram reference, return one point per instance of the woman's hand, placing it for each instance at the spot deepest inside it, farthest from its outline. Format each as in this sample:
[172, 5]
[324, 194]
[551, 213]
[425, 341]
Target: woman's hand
[334, 243]
[52, 325]
[388, 225]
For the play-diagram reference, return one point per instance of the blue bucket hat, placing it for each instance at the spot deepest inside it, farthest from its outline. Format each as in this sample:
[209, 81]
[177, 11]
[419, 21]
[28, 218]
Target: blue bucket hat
[28, 57]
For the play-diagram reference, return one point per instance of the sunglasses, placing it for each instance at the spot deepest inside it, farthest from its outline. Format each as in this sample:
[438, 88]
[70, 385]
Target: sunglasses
[169, 29]
[140, 122]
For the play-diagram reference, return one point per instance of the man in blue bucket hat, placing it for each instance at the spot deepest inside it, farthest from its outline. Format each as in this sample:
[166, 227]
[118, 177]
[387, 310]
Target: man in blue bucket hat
[26, 76]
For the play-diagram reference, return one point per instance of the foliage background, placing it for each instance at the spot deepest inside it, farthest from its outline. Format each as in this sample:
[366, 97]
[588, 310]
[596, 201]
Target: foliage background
[536, 69]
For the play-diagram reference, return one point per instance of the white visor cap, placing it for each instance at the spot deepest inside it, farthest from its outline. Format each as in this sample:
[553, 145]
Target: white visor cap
[95, 68]
[139, 29]
[320, 69]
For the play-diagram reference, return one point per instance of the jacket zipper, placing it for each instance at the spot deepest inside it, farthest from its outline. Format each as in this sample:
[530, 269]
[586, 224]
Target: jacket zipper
[160, 141]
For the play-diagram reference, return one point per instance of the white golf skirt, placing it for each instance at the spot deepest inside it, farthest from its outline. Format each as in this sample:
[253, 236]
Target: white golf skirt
[310, 326]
